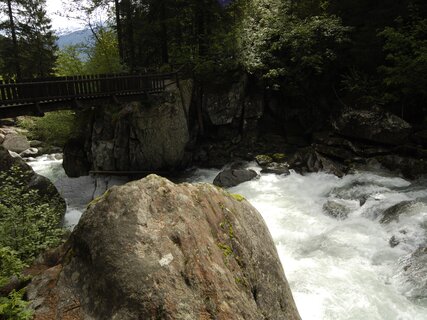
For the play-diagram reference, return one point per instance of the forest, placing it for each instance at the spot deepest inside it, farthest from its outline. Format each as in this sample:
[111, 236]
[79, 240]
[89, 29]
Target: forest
[306, 59]
[312, 53]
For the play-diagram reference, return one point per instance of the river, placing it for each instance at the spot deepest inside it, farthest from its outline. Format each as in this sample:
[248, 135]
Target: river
[337, 269]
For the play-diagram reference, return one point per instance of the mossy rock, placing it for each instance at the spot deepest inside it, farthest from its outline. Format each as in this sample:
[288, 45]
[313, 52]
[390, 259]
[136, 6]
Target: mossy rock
[263, 159]
[279, 157]
[238, 197]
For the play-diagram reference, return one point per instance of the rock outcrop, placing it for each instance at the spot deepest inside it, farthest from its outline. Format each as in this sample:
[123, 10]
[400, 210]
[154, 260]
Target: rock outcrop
[155, 250]
[146, 135]
[373, 125]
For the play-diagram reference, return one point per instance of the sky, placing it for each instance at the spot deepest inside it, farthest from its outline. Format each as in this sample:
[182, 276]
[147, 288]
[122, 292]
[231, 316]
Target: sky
[61, 23]
[56, 11]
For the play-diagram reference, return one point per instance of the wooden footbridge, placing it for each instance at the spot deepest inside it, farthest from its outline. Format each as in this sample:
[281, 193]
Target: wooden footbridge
[34, 97]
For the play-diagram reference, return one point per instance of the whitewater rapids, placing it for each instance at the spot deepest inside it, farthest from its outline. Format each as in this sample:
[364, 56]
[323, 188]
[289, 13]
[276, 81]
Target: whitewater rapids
[337, 269]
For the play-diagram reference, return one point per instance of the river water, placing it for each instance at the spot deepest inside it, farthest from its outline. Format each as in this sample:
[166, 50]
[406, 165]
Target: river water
[337, 269]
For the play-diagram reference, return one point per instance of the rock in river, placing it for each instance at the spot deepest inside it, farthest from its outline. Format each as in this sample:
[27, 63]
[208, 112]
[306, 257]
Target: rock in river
[155, 250]
[371, 125]
[233, 177]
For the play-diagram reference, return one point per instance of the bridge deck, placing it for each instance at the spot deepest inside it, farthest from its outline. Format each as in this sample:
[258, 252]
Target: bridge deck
[33, 97]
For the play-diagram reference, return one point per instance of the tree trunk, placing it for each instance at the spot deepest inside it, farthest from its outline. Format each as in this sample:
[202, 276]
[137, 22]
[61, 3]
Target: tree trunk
[119, 30]
[164, 34]
[14, 41]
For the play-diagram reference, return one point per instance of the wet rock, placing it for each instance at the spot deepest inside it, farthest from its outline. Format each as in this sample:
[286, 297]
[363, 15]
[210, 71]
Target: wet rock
[263, 160]
[411, 168]
[393, 242]
[16, 143]
[373, 125]
[336, 209]
[359, 191]
[405, 207]
[2, 136]
[154, 250]
[415, 273]
[309, 160]
[29, 152]
[231, 178]
[276, 168]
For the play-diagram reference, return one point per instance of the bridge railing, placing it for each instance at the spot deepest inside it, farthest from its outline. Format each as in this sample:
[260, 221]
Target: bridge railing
[81, 87]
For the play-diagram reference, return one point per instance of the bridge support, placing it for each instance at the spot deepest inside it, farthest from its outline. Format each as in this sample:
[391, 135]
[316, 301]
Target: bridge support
[39, 111]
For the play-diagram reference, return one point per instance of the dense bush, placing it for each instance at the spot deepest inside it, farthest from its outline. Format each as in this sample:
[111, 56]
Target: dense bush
[29, 224]
[14, 307]
[54, 128]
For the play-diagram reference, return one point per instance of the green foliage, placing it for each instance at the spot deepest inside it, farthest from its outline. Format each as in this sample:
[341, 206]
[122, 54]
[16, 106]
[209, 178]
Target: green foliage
[29, 222]
[104, 55]
[14, 307]
[364, 89]
[35, 49]
[237, 197]
[10, 265]
[54, 128]
[69, 62]
[285, 50]
[406, 61]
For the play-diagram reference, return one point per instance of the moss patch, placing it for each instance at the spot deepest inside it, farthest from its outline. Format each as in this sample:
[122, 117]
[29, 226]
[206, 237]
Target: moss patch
[98, 199]
[279, 157]
[237, 197]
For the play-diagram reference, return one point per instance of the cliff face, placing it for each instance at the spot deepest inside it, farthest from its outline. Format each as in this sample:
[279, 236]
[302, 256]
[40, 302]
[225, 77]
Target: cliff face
[137, 136]
[155, 250]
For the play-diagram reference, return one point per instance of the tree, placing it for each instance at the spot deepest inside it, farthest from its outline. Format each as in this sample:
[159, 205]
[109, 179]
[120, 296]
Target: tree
[69, 61]
[104, 54]
[288, 52]
[30, 38]
[406, 63]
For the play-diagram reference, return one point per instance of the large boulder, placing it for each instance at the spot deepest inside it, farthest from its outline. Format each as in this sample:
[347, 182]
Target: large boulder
[149, 135]
[372, 125]
[155, 250]
[232, 177]
[16, 143]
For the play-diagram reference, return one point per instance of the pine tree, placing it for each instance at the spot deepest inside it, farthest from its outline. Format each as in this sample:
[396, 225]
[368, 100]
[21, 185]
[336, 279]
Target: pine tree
[38, 55]
[29, 48]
